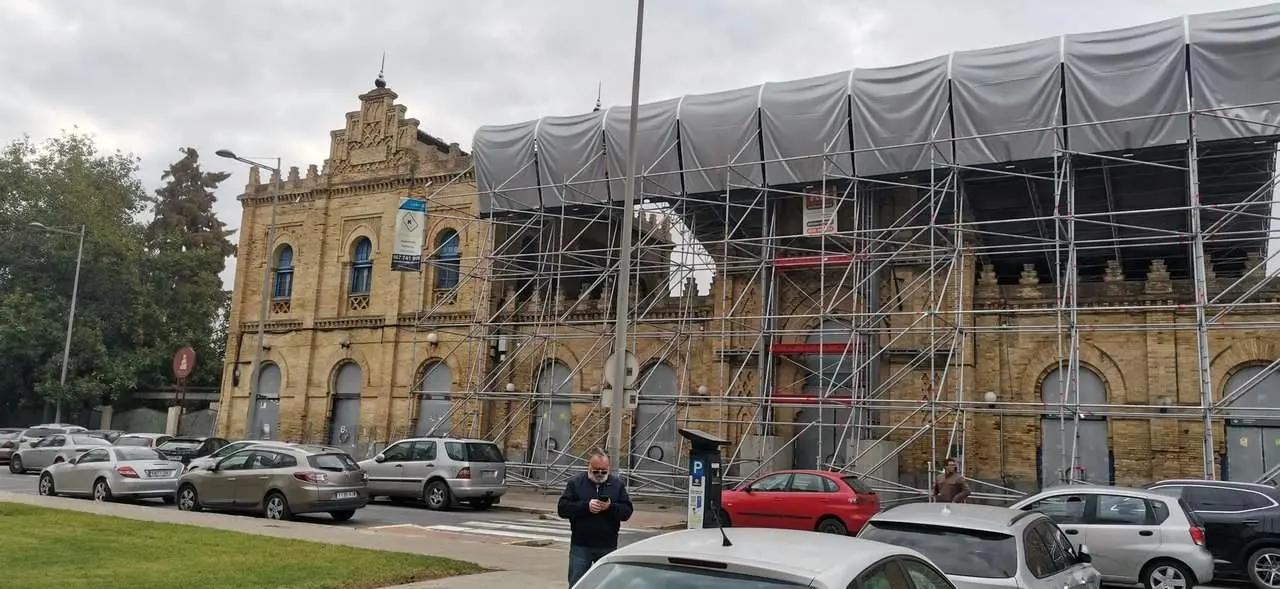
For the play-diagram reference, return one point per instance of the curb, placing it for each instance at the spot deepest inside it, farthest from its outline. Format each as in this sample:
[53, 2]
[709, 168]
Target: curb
[551, 514]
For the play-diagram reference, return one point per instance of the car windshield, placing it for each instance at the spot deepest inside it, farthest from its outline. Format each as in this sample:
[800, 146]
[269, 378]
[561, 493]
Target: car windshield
[41, 432]
[961, 552]
[131, 453]
[654, 576]
[88, 441]
[332, 462]
[180, 445]
[133, 441]
[473, 452]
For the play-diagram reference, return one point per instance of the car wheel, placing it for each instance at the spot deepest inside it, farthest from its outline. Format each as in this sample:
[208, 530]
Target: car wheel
[188, 499]
[343, 515]
[481, 504]
[15, 465]
[831, 525]
[276, 507]
[101, 490]
[1167, 574]
[1264, 568]
[436, 495]
[46, 485]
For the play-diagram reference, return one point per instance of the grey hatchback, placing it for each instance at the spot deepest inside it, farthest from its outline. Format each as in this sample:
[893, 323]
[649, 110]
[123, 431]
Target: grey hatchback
[278, 481]
[980, 546]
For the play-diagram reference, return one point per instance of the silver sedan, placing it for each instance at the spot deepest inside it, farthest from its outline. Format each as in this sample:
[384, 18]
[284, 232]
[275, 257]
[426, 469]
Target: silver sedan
[52, 450]
[116, 472]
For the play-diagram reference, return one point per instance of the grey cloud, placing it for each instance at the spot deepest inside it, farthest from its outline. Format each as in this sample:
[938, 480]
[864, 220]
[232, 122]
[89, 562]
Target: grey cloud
[273, 77]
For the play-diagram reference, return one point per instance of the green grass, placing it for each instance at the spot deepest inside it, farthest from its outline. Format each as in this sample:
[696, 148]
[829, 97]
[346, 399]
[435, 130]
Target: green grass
[42, 548]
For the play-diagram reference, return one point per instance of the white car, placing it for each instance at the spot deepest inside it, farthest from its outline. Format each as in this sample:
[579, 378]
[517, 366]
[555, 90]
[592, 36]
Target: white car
[114, 472]
[758, 558]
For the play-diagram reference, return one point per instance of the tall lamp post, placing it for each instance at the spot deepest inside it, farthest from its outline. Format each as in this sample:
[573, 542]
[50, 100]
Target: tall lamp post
[71, 316]
[254, 384]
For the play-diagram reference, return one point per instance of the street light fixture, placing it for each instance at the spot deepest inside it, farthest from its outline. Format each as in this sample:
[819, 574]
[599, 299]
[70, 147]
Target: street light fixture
[71, 315]
[254, 380]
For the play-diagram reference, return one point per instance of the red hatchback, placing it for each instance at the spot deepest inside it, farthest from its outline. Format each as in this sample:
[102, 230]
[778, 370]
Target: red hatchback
[818, 500]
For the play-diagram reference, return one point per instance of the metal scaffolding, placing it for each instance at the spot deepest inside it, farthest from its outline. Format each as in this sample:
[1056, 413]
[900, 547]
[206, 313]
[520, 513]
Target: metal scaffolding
[834, 318]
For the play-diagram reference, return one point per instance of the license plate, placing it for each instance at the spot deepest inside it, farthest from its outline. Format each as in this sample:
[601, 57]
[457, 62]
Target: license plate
[159, 473]
[345, 495]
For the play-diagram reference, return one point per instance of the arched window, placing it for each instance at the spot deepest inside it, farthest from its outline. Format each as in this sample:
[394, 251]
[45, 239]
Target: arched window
[362, 267]
[447, 259]
[283, 288]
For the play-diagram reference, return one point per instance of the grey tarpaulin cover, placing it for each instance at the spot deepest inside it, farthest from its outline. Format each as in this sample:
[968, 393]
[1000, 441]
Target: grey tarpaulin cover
[1113, 90]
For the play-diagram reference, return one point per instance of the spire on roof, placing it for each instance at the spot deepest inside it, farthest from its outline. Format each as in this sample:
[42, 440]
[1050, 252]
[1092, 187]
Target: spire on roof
[381, 82]
[599, 88]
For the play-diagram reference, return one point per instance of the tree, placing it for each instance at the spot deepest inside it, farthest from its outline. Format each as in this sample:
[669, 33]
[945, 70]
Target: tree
[187, 247]
[66, 182]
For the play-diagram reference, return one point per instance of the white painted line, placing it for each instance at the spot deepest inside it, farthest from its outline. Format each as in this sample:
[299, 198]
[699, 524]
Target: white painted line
[519, 528]
[565, 524]
[500, 533]
[392, 527]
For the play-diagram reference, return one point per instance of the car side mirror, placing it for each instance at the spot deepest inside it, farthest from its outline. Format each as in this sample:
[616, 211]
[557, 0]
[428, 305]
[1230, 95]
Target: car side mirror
[215, 466]
[748, 489]
[379, 458]
[1083, 555]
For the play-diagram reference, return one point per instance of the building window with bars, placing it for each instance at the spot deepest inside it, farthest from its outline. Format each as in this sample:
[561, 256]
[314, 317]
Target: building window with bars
[448, 260]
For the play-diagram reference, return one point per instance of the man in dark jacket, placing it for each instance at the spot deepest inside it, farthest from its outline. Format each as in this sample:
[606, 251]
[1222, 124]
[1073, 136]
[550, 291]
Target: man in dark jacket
[595, 503]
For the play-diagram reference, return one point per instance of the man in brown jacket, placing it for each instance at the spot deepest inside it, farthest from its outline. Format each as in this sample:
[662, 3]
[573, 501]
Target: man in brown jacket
[950, 486]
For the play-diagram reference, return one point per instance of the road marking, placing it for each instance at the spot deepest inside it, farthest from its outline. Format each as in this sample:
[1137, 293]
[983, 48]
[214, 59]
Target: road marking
[391, 527]
[527, 529]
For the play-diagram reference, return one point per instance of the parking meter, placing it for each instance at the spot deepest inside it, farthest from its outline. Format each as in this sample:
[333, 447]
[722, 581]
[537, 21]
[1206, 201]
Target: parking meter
[704, 478]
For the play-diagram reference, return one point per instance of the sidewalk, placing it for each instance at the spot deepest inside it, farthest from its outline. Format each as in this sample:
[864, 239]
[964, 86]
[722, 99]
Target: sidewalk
[654, 514]
[516, 567]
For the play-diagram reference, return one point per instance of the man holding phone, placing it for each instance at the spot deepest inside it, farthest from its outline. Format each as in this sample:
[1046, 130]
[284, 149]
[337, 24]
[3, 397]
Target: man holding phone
[595, 503]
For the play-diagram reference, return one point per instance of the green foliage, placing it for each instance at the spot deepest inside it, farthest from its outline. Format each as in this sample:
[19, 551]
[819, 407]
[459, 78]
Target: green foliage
[145, 289]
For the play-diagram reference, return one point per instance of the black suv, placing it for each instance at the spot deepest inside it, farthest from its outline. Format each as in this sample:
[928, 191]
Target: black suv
[1241, 522]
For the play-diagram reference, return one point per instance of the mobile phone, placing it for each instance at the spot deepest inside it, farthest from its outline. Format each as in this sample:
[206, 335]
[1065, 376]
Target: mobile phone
[602, 497]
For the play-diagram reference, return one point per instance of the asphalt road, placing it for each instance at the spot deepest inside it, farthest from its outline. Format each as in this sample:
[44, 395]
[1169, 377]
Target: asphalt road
[496, 525]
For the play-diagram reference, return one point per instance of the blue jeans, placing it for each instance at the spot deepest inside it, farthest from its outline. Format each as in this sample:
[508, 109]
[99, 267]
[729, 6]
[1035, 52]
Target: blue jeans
[581, 558]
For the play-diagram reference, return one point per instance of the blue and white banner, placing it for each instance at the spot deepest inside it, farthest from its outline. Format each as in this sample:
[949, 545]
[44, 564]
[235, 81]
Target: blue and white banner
[411, 222]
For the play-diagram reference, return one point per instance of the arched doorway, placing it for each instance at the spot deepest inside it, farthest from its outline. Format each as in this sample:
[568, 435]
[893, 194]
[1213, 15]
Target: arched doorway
[1253, 443]
[653, 427]
[826, 375]
[433, 399]
[1058, 432]
[266, 419]
[344, 420]
[549, 437]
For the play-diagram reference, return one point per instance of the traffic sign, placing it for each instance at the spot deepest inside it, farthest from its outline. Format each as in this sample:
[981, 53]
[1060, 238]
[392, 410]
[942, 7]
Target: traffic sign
[611, 369]
[184, 361]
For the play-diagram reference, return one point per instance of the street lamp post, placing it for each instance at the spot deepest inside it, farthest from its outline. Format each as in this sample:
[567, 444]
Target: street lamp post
[254, 383]
[71, 315]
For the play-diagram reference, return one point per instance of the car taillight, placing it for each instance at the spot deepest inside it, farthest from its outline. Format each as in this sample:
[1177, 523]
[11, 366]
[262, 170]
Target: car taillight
[1197, 535]
[464, 473]
[127, 472]
[310, 477]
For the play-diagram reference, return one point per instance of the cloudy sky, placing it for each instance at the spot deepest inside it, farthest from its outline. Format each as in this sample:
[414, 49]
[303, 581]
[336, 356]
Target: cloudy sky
[272, 77]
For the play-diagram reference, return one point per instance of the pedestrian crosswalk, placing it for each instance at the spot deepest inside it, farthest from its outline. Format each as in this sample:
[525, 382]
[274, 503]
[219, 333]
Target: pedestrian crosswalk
[546, 530]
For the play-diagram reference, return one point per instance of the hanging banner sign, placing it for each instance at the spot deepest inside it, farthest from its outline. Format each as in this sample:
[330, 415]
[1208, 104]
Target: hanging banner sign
[819, 210]
[411, 222]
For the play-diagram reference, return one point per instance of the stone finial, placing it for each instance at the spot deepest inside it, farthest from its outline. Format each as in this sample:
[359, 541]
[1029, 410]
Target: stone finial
[690, 288]
[988, 283]
[1210, 277]
[1029, 282]
[558, 300]
[1158, 281]
[535, 301]
[255, 176]
[312, 172]
[293, 174]
[275, 177]
[1113, 279]
[509, 299]
[604, 300]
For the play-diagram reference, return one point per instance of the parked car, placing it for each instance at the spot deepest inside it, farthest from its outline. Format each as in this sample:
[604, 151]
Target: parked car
[142, 440]
[36, 433]
[818, 500]
[1241, 525]
[118, 472]
[759, 558]
[278, 481]
[52, 450]
[110, 435]
[223, 452]
[981, 546]
[8, 442]
[443, 472]
[187, 448]
[1135, 535]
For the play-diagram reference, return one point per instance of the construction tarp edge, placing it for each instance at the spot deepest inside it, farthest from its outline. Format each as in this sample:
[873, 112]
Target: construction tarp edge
[1120, 88]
